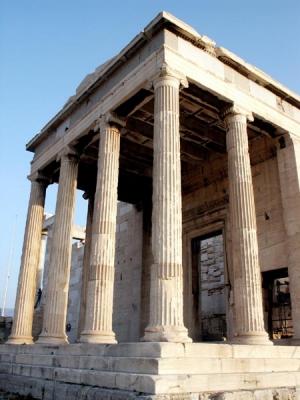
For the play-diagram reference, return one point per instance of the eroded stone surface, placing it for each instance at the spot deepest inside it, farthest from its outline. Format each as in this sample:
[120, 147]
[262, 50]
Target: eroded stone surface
[54, 321]
[155, 370]
[246, 269]
[166, 296]
[99, 308]
[23, 313]
[175, 152]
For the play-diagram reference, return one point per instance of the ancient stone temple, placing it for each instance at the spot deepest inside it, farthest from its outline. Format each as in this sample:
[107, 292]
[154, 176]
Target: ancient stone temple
[207, 149]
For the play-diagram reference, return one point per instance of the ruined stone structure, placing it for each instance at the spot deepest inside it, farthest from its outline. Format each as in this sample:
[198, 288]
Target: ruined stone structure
[5, 328]
[128, 274]
[204, 145]
[78, 237]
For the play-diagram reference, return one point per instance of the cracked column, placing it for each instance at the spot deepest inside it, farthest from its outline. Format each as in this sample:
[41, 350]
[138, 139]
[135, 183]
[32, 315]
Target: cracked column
[166, 293]
[99, 307]
[246, 269]
[54, 320]
[24, 307]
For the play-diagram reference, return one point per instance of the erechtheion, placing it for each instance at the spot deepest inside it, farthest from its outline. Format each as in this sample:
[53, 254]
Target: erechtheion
[204, 146]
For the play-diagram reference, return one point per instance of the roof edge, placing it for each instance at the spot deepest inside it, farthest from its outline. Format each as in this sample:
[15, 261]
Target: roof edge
[186, 31]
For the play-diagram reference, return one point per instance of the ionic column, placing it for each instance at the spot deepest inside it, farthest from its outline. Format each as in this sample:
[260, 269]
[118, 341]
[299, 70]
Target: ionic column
[54, 320]
[99, 307]
[166, 293]
[24, 307]
[246, 269]
[86, 260]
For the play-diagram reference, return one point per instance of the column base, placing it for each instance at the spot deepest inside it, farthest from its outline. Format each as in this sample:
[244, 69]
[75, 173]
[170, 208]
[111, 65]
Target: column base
[55, 340]
[98, 337]
[19, 340]
[253, 338]
[172, 334]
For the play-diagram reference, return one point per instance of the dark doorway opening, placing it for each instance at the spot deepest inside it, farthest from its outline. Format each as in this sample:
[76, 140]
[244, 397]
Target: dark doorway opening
[208, 287]
[277, 304]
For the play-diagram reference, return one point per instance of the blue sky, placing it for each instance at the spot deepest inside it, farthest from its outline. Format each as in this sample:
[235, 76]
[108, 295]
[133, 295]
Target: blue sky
[47, 47]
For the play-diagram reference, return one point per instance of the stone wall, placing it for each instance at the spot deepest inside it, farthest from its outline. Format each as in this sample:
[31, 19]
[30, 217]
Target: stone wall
[212, 288]
[74, 291]
[206, 191]
[128, 269]
[205, 204]
[5, 328]
[39, 309]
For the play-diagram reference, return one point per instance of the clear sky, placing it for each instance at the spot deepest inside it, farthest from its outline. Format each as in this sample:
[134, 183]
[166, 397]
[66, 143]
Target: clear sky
[47, 47]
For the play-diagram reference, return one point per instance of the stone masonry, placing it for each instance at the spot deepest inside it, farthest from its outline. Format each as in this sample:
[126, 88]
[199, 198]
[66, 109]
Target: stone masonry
[126, 321]
[127, 299]
[198, 142]
[213, 291]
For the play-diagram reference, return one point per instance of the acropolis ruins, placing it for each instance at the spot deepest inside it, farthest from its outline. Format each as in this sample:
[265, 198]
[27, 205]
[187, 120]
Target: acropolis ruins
[196, 293]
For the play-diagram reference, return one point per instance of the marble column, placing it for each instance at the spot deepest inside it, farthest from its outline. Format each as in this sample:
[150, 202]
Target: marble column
[86, 260]
[24, 307]
[99, 307]
[54, 321]
[246, 270]
[166, 293]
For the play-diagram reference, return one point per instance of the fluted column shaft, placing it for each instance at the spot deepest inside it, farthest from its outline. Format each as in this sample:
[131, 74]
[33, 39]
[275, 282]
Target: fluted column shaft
[99, 307]
[246, 269]
[86, 262]
[24, 307]
[166, 296]
[60, 257]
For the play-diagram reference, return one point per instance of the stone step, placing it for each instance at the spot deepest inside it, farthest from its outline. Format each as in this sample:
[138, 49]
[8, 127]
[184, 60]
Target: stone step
[158, 350]
[119, 350]
[156, 367]
[151, 365]
[226, 365]
[191, 383]
[196, 383]
[41, 389]
[116, 364]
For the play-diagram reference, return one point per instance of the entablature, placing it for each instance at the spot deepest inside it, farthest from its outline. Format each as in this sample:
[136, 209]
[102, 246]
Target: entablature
[123, 86]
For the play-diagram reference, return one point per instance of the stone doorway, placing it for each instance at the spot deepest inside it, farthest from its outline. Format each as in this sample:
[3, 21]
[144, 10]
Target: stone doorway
[277, 304]
[208, 287]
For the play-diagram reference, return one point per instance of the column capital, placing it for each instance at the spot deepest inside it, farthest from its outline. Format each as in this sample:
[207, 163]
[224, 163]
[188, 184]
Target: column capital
[67, 153]
[39, 177]
[110, 119]
[166, 74]
[236, 110]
